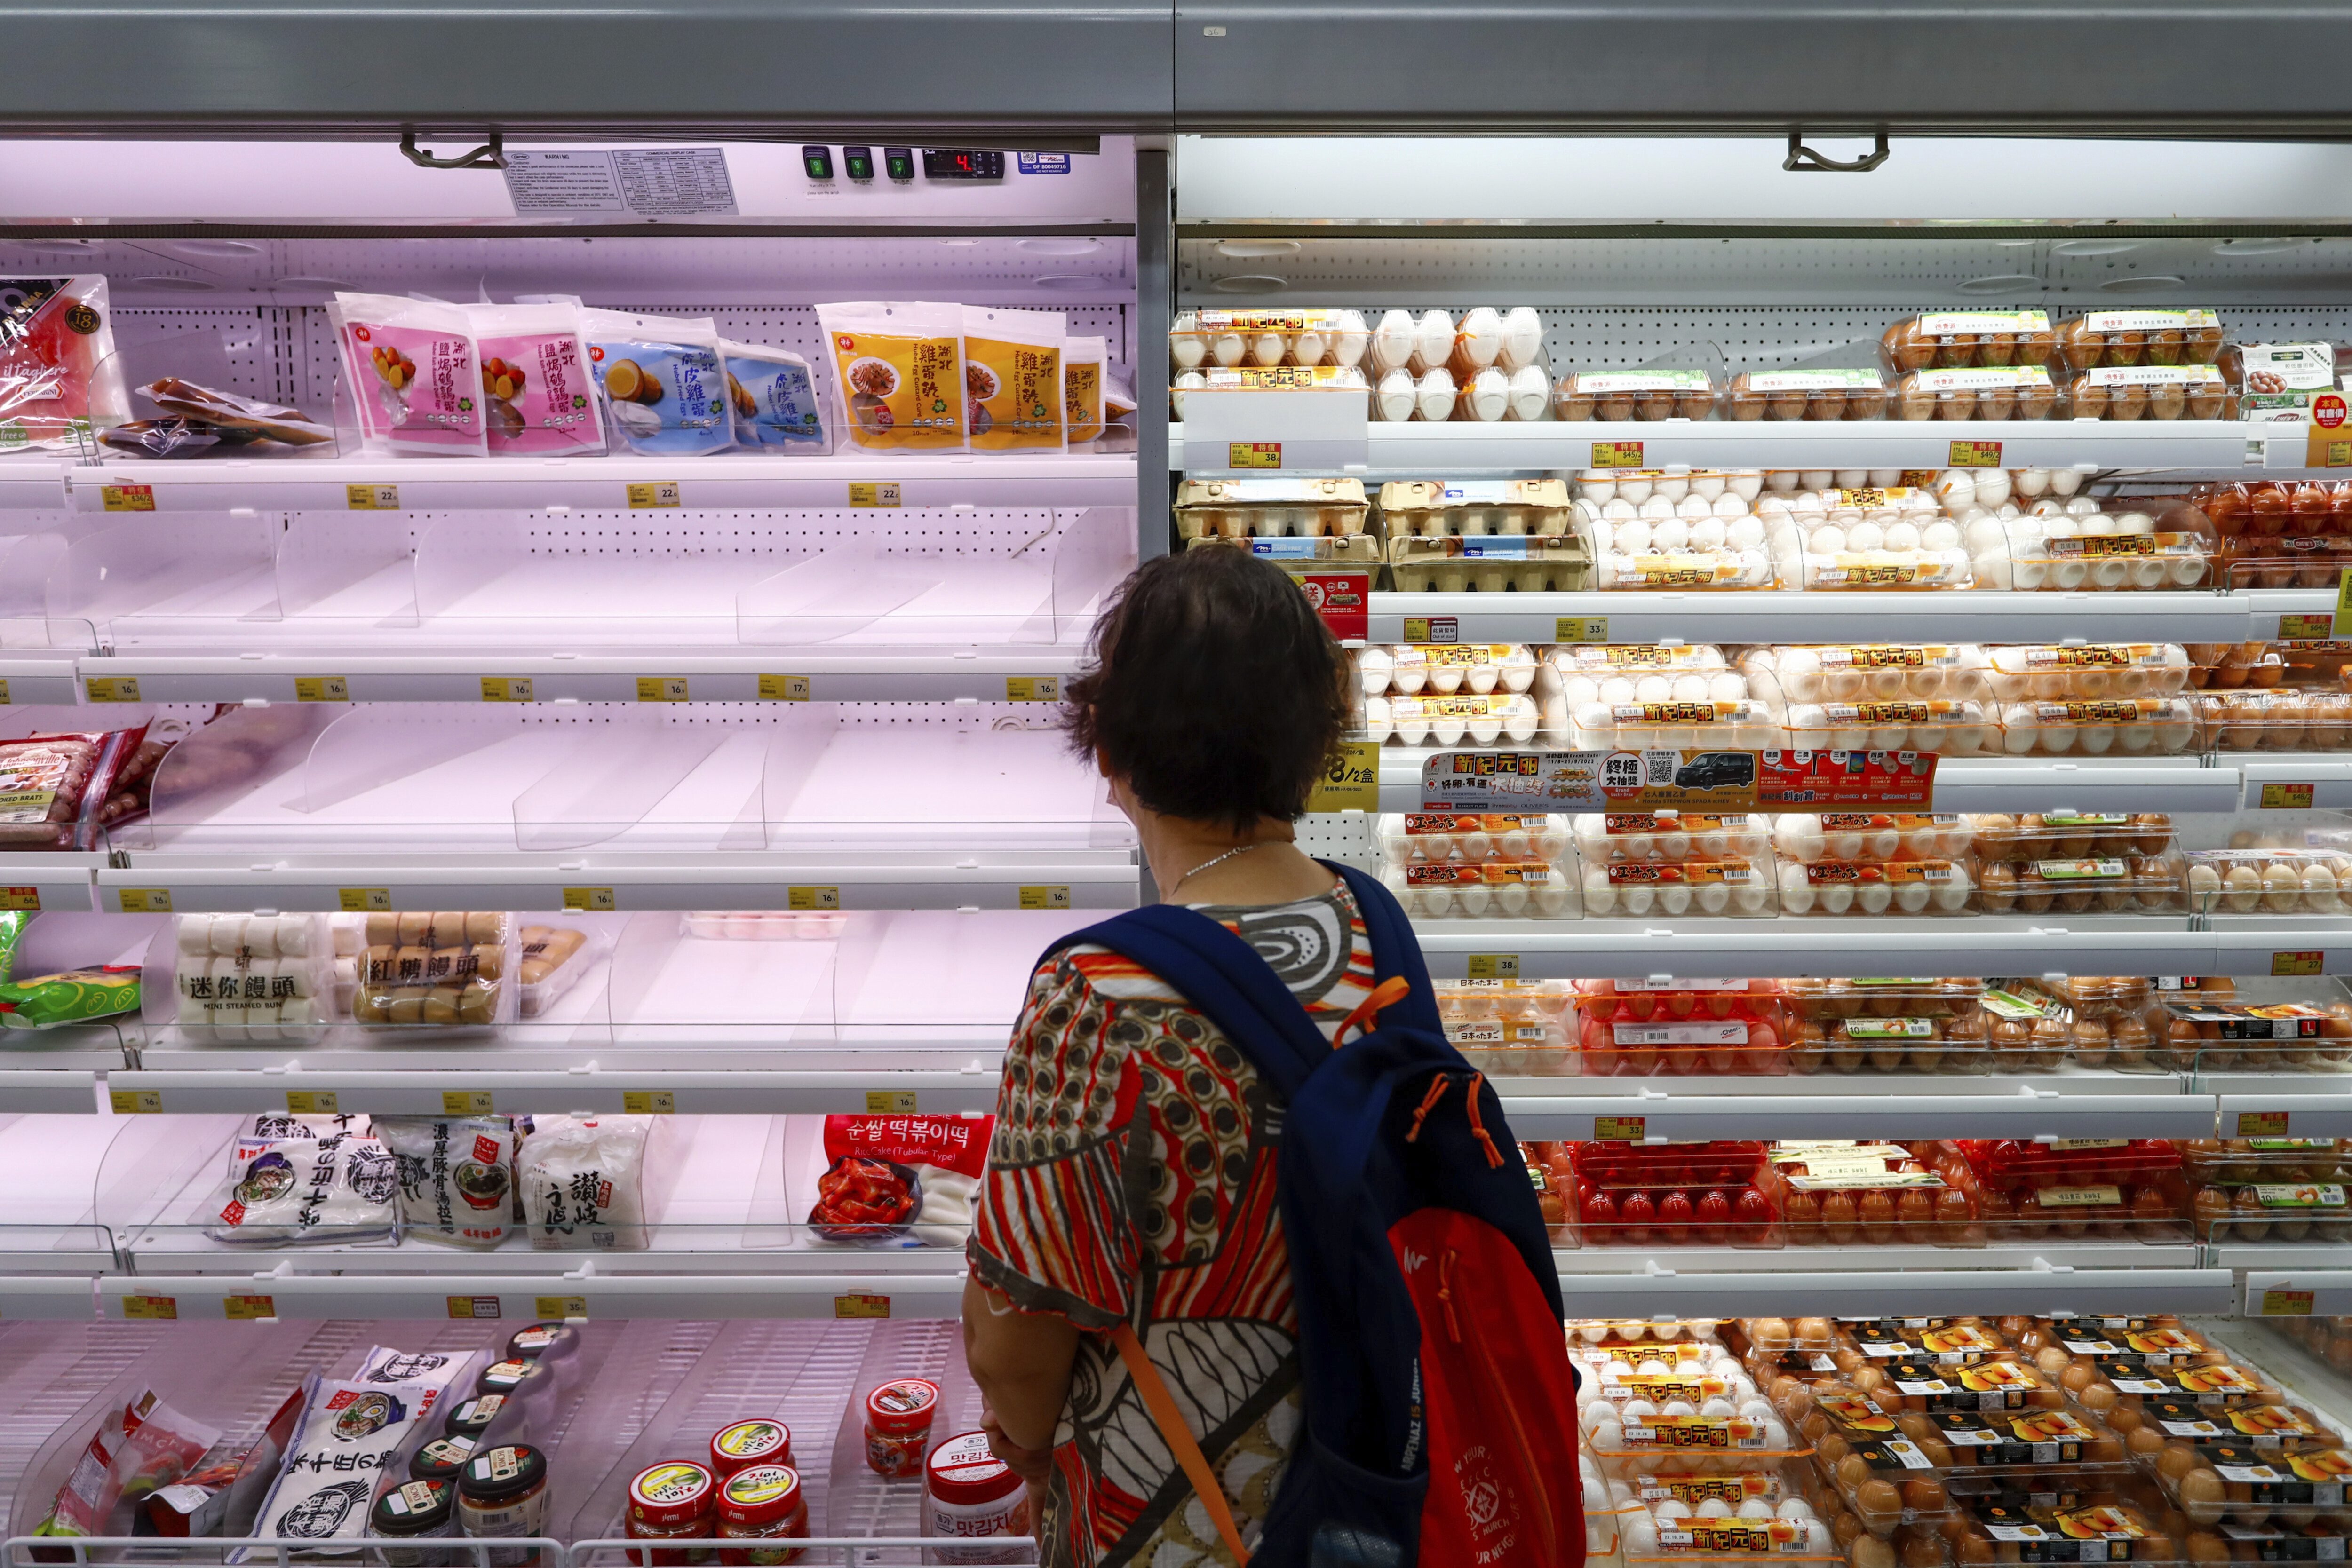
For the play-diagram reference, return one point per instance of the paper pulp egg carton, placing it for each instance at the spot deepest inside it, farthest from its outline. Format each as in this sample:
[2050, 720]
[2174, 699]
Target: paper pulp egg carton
[1480, 865]
[1956, 339]
[1675, 862]
[1206, 340]
[2273, 720]
[1298, 555]
[1530, 563]
[1443, 669]
[1441, 508]
[1270, 508]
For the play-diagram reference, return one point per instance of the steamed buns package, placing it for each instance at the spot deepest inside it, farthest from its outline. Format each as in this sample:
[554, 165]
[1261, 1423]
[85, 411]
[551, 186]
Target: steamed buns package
[899, 368]
[413, 374]
[893, 1181]
[1012, 379]
[663, 380]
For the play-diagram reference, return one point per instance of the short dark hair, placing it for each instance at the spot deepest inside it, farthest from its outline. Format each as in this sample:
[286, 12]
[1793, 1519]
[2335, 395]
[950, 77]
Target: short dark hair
[1214, 689]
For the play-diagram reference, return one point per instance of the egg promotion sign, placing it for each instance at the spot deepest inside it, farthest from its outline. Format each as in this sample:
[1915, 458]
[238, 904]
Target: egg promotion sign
[1669, 779]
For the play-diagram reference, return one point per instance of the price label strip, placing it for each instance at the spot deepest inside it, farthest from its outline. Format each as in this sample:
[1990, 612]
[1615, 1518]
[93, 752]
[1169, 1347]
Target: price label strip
[784, 688]
[322, 689]
[649, 1102]
[1664, 778]
[890, 1102]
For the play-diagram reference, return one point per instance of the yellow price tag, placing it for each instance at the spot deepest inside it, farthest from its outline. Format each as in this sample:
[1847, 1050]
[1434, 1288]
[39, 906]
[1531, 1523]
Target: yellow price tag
[467, 1103]
[2344, 595]
[248, 1309]
[861, 1305]
[507, 689]
[885, 493]
[1032, 688]
[590, 898]
[2286, 796]
[1975, 454]
[2298, 963]
[321, 689]
[2306, 628]
[661, 495]
[1352, 782]
[29, 898]
[562, 1306]
[151, 1309]
[812, 898]
[1616, 455]
[111, 688]
[143, 900]
[1619, 1129]
[1581, 629]
[784, 688]
[649, 1102]
[472, 1306]
[127, 497]
[364, 900]
[1254, 454]
[1055, 897]
[890, 1102]
[372, 497]
[2263, 1123]
[662, 689]
[2286, 1304]
[1493, 966]
[135, 1101]
[311, 1102]
[2326, 448]
[3, 694]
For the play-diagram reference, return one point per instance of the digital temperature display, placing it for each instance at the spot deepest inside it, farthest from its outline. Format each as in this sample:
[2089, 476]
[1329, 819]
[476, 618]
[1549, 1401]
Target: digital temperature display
[954, 164]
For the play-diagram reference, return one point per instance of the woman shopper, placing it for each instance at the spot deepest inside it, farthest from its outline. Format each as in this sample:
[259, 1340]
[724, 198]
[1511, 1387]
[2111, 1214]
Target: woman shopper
[1131, 1183]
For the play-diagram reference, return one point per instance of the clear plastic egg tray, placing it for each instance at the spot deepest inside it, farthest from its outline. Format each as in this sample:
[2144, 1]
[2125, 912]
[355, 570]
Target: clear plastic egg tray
[1947, 340]
[1991, 393]
[1743, 725]
[1835, 889]
[1647, 395]
[2273, 720]
[1528, 563]
[1815, 394]
[1509, 1028]
[1442, 864]
[1270, 509]
[1948, 728]
[2279, 533]
[1843, 1194]
[1677, 1027]
[1480, 720]
[1201, 339]
[2214, 1023]
[2270, 1189]
[1866, 672]
[2140, 337]
[1445, 669]
[1442, 508]
[1808, 837]
[2089, 1020]
[2153, 726]
[1887, 1025]
[2267, 880]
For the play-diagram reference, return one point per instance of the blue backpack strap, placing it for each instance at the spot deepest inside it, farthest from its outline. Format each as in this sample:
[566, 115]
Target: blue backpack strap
[1396, 952]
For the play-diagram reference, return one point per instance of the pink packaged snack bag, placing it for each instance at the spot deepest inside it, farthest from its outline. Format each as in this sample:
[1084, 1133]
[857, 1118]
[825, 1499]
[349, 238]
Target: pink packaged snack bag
[538, 394]
[413, 374]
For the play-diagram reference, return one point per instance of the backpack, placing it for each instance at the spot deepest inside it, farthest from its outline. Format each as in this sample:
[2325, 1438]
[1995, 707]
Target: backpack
[1440, 1406]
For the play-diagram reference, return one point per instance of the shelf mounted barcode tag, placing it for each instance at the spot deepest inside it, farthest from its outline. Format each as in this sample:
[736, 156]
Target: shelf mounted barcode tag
[468, 1103]
[321, 689]
[1056, 896]
[784, 688]
[882, 493]
[1252, 454]
[2299, 963]
[135, 1101]
[24, 898]
[562, 1307]
[1616, 455]
[127, 497]
[151, 1309]
[2286, 796]
[590, 899]
[664, 494]
[311, 1102]
[2286, 1304]
[1619, 1129]
[662, 689]
[372, 497]
[861, 1305]
[812, 898]
[1975, 454]
[248, 1309]
[649, 1102]
[2306, 628]
[2344, 590]
[2263, 1123]
[507, 689]
[1442, 629]
[890, 1102]
[364, 900]
[111, 688]
[473, 1306]
[1032, 688]
[1493, 966]
[143, 900]
[1581, 629]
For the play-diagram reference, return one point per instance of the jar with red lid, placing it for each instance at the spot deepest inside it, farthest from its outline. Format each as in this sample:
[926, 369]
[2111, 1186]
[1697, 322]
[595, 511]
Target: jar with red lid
[675, 1500]
[762, 1504]
[898, 1426]
[970, 1494]
[749, 1443]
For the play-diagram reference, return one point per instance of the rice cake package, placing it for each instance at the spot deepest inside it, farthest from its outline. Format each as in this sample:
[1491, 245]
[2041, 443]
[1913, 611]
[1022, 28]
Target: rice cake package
[311, 1192]
[59, 380]
[898, 1181]
[775, 401]
[664, 383]
[899, 371]
[536, 386]
[457, 1176]
[583, 1183]
[414, 374]
[1012, 379]
[1082, 386]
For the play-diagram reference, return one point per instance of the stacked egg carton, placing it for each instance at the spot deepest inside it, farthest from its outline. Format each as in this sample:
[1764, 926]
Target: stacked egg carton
[1483, 866]
[1420, 694]
[1252, 350]
[2030, 529]
[1639, 863]
[1874, 863]
[1486, 536]
[1488, 367]
[2122, 697]
[1874, 696]
[1676, 529]
[1600, 697]
[1869, 536]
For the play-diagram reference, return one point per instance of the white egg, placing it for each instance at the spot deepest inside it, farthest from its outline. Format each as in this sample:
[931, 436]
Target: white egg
[1849, 479]
[1992, 487]
[1671, 536]
[1827, 539]
[1632, 538]
[1713, 1508]
[1816, 478]
[1782, 478]
[1726, 507]
[1818, 1541]
[1796, 891]
[1744, 534]
[1609, 1438]
[1633, 487]
[1708, 535]
[2029, 482]
[2082, 506]
[1773, 506]
[1804, 503]
[1907, 535]
[1937, 537]
[1694, 507]
[1676, 1410]
[1864, 536]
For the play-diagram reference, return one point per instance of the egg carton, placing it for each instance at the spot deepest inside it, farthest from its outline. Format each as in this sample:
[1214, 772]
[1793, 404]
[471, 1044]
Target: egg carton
[2293, 1207]
[1485, 890]
[1923, 1040]
[1556, 563]
[2276, 508]
[1485, 397]
[1745, 725]
[1534, 1047]
[1438, 508]
[1693, 525]
[1857, 672]
[1844, 1194]
[2101, 551]
[1201, 339]
[1297, 555]
[1989, 393]
[2215, 1027]
[2094, 1021]
[1636, 486]
[2233, 666]
[2147, 391]
[1692, 569]
[2047, 835]
[1484, 337]
[2027, 1448]
[1614, 673]
[1817, 394]
[1729, 885]
[1270, 509]
[1318, 378]
[1480, 720]
[2046, 672]
[1953, 339]
[1948, 728]
[2273, 720]
[1443, 669]
[1809, 837]
[2267, 881]
[1835, 889]
[2310, 666]
[2300, 560]
[2103, 884]
[1619, 396]
[2140, 337]
[1679, 1028]
[1884, 568]
[2155, 726]
[1612, 837]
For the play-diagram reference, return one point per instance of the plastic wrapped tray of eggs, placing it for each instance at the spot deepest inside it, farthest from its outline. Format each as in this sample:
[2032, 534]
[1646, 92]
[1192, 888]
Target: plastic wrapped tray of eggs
[1676, 530]
[2031, 1192]
[1991, 392]
[2158, 726]
[1865, 1194]
[1865, 672]
[2090, 1020]
[2270, 1189]
[1522, 563]
[1900, 723]
[1862, 536]
[2279, 533]
[1439, 508]
[1671, 863]
[1202, 339]
[1270, 509]
[2046, 672]
[1667, 1516]
[1674, 1195]
[1445, 669]
[1490, 865]
[1677, 1027]
[2213, 1023]
[1619, 396]
[2298, 560]
[1873, 862]
[1509, 1028]
[1911, 1026]
[1480, 719]
[2075, 862]
[1685, 725]
[2273, 720]
[2140, 337]
[2266, 882]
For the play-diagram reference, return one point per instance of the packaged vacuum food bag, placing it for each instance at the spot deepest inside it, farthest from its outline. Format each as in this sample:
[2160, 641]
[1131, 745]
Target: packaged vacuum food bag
[583, 1183]
[900, 370]
[415, 375]
[53, 787]
[898, 1181]
[200, 418]
[1012, 379]
[775, 399]
[535, 380]
[348, 1444]
[67, 996]
[58, 378]
[457, 1176]
[254, 979]
[137, 1450]
[311, 1192]
[665, 386]
[1083, 360]
[439, 968]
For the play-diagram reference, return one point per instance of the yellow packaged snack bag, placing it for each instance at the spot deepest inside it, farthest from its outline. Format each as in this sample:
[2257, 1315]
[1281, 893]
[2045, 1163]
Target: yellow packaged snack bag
[1013, 377]
[898, 369]
[1082, 386]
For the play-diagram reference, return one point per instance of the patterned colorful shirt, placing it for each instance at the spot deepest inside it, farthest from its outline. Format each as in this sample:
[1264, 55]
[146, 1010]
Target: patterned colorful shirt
[1131, 1180]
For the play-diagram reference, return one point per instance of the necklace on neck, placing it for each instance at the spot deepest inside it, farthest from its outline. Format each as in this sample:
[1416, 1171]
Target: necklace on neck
[1215, 859]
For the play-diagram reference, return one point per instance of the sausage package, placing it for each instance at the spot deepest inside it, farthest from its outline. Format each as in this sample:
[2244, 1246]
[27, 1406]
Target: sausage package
[664, 383]
[583, 1181]
[898, 1181]
[1083, 361]
[536, 392]
[775, 399]
[457, 1176]
[59, 380]
[899, 371]
[414, 374]
[1012, 379]
[54, 788]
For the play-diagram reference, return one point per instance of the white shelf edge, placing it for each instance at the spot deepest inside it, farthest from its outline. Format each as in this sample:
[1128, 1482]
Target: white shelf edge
[693, 1090]
[1941, 1285]
[1849, 1108]
[1791, 616]
[1614, 948]
[518, 1296]
[2304, 1291]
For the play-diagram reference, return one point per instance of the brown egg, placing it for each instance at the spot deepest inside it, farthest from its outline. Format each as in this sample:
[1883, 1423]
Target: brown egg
[1914, 1425]
[2145, 1443]
[2054, 1359]
[2099, 1399]
[2076, 1377]
[1845, 1529]
[1921, 1551]
[1973, 1552]
[1938, 1455]
[1869, 1552]
[1925, 1497]
[2174, 1461]
[2104, 1448]
[2204, 1546]
[2201, 1496]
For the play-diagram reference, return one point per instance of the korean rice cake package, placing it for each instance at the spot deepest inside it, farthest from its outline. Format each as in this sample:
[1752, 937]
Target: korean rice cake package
[891, 1181]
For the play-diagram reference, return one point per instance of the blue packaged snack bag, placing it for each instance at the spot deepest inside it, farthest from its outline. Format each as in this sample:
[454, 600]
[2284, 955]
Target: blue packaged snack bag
[775, 399]
[663, 380]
